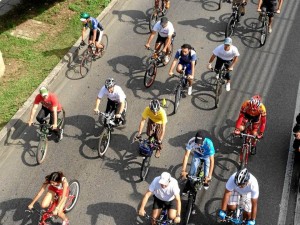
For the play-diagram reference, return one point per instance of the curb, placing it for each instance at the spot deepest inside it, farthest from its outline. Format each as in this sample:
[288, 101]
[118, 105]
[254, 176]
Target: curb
[50, 78]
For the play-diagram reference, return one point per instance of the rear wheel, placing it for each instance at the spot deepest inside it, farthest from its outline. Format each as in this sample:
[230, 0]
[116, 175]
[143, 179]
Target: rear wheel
[86, 63]
[150, 75]
[189, 209]
[42, 150]
[145, 167]
[263, 34]
[104, 43]
[153, 19]
[74, 188]
[104, 140]
[177, 98]
[230, 27]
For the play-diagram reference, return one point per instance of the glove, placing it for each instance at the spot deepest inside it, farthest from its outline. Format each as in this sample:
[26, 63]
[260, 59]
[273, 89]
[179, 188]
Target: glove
[260, 135]
[250, 222]
[209, 67]
[237, 131]
[222, 214]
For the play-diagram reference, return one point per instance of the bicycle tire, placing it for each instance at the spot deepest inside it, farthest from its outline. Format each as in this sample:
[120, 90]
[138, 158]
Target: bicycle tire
[150, 75]
[230, 27]
[153, 19]
[244, 157]
[220, 4]
[104, 43]
[145, 168]
[74, 188]
[86, 64]
[189, 209]
[263, 34]
[177, 98]
[42, 150]
[104, 141]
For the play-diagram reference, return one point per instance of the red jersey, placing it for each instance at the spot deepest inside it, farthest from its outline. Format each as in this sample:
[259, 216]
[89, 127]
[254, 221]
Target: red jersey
[50, 102]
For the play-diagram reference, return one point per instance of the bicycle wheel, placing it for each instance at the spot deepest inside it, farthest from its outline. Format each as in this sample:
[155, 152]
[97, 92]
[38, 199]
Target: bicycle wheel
[104, 43]
[74, 188]
[145, 167]
[86, 64]
[263, 34]
[42, 150]
[189, 209]
[153, 19]
[104, 140]
[150, 75]
[177, 98]
[218, 93]
[244, 156]
[230, 27]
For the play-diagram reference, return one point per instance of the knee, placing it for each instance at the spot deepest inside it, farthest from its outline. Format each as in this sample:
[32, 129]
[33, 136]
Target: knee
[40, 119]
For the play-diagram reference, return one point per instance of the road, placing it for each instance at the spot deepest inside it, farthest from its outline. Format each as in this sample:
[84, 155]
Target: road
[110, 187]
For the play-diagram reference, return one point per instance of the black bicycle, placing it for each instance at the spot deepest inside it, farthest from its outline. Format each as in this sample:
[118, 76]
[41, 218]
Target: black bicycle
[157, 12]
[233, 20]
[220, 81]
[264, 18]
[163, 218]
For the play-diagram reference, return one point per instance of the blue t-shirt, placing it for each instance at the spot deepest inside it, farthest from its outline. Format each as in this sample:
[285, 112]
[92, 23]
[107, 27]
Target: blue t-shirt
[205, 150]
[186, 58]
[94, 24]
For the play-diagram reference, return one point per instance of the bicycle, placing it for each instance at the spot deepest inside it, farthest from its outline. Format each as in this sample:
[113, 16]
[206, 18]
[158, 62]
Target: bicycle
[156, 59]
[45, 216]
[233, 20]
[220, 81]
[264, 17]
[163, 218]
[43, 132]
[109, 122]
[157, 12]
[90, 55]
[146, 148]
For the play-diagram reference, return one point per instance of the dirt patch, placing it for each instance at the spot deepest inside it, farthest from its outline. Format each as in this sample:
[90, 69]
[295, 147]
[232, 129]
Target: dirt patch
[14, 69]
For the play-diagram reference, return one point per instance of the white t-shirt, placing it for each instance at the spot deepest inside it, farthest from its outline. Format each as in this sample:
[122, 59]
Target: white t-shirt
[118, 94]
[226, 55]
[164, 32]
[165, 194]
[252, 186]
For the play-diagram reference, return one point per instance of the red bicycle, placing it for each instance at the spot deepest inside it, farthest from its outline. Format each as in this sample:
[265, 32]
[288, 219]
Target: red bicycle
[46, 216]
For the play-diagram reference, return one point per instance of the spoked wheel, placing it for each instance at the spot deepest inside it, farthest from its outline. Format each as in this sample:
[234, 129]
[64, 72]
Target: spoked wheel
[74, 188]
[177, 98]
[42, 150]
[104, 43]
[153, 19]
[145, 167]
[150, 75]
[263, 35]
[230, 27]
[218, 93]
[244, 155]
[86, 63]
[104, 140]
[189, 209]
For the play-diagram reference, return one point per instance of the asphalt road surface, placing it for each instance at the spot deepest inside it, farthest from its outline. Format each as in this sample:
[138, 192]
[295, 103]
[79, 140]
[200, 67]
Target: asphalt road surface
[110, 187]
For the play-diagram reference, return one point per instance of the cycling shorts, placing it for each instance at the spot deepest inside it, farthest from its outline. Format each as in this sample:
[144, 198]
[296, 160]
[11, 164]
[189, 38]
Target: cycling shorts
[188, 70]
[161, 39]
[244, 201]
[98, 35]
[270, 7]
[253, 119]
[159, 204]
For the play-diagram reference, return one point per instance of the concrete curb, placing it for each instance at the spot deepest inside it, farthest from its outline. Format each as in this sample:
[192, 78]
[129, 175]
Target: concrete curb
[50, 78]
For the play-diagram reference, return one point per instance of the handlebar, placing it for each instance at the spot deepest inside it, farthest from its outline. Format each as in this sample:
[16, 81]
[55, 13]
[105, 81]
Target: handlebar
[167, 222]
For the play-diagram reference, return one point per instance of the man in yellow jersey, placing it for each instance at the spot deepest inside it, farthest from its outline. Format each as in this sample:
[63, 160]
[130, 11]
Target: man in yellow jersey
[156, 125]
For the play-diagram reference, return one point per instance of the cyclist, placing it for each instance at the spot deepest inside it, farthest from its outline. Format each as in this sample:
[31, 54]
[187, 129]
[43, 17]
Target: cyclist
[202, 148]
[166, 193]
[50, 105]
[96, 31]
[254, 111]
[156, 125]
[242, 4]
[116, 99]
[57, 186]
[270, 6]
[296, 131]
[187, 59]
[165, 36]
[243, 185]
[226, 54]
[166, 2]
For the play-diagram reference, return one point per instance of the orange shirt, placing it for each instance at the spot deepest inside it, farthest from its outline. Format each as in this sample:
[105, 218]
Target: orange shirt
[261, 110]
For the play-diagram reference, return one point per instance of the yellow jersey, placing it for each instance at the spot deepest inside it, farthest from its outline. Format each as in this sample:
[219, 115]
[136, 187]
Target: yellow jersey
[160, 117]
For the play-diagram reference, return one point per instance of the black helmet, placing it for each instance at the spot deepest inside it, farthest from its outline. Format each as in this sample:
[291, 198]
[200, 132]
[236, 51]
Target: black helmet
[110, 82]
[242, 177]
[154, 105]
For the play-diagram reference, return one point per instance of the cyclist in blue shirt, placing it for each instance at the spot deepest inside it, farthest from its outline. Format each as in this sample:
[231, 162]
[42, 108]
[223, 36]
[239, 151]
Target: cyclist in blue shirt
[187, 58]
[96, 30]
[202, 148]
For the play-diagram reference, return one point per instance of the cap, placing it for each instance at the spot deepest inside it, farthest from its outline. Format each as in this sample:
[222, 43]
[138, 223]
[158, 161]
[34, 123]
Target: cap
[228, 41]
[199, 138]
[82, 19]
[43, 91]
[164, 21]
[165, 178]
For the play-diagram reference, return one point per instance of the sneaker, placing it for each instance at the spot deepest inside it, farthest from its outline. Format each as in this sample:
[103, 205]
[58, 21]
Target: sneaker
[206, 186]
[227, 86]
[193, 211]
[49, 134]
[157, 154]
[270, 30]
[60, 135]
[217, 76]
[166, 60]
[190, 90]
[253, 150]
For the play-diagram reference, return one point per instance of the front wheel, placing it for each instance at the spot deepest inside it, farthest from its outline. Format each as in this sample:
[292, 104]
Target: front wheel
[189, 209]
[145, 167]
[150, 75]
[104, 140]
[42, 150]
[74, 188]
[230, 27]
[86, 63]
[263, 35]
[177, 98]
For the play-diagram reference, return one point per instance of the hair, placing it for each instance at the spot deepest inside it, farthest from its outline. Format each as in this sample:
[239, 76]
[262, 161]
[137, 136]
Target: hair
[186, 46]
[55, 176]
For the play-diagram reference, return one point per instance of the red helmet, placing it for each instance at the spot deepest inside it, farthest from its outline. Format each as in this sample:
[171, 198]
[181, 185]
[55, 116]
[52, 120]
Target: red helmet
[255, 102]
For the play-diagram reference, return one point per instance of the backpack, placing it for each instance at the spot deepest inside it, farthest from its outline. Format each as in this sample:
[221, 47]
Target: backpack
[190, 55]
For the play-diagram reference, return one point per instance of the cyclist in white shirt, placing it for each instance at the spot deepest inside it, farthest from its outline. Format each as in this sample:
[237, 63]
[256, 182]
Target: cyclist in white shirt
[166, 193]
[244, 186]
[165, 36]
[116, 100]
[226, 54]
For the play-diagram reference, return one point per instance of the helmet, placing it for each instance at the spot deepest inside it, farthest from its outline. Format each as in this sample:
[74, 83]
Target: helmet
[242, 177]
[84, 16]
[154, 105]
[255, 102]
[110, 82]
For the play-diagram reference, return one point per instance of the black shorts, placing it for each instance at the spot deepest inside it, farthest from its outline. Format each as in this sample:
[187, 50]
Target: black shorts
[160, 39]
[92, 33]
[159, 204]
[253, 119]
[270, 7]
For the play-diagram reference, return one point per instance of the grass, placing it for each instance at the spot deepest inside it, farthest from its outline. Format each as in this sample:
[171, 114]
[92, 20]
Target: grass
[27, 62]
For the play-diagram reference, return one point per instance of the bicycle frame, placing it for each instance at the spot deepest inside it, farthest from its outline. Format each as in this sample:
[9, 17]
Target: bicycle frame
[163, 218]
[237, 217]
[108, 119]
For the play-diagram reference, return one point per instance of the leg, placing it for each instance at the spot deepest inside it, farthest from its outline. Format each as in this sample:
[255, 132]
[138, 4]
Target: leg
[98, 40]
[171, 206]
[219, 64]
[194, 166]
[49, 197]
[232, 203]
[110, 106]
[43, 113]
[156, 208]
[247, 206]
[179, 68]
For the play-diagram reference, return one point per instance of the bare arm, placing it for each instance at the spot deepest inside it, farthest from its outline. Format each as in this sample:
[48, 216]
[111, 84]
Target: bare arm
[142, 124]
[254, 208]
[212, 58]
[144, 202]
[153, 33]
[32, 113]
[82, 33]
[39, 194]
[184, 163]
[225, 200]
[98, 101]
[54, 117]
[172, 66]
[211, 166]
[193, 69]
[234, 61]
